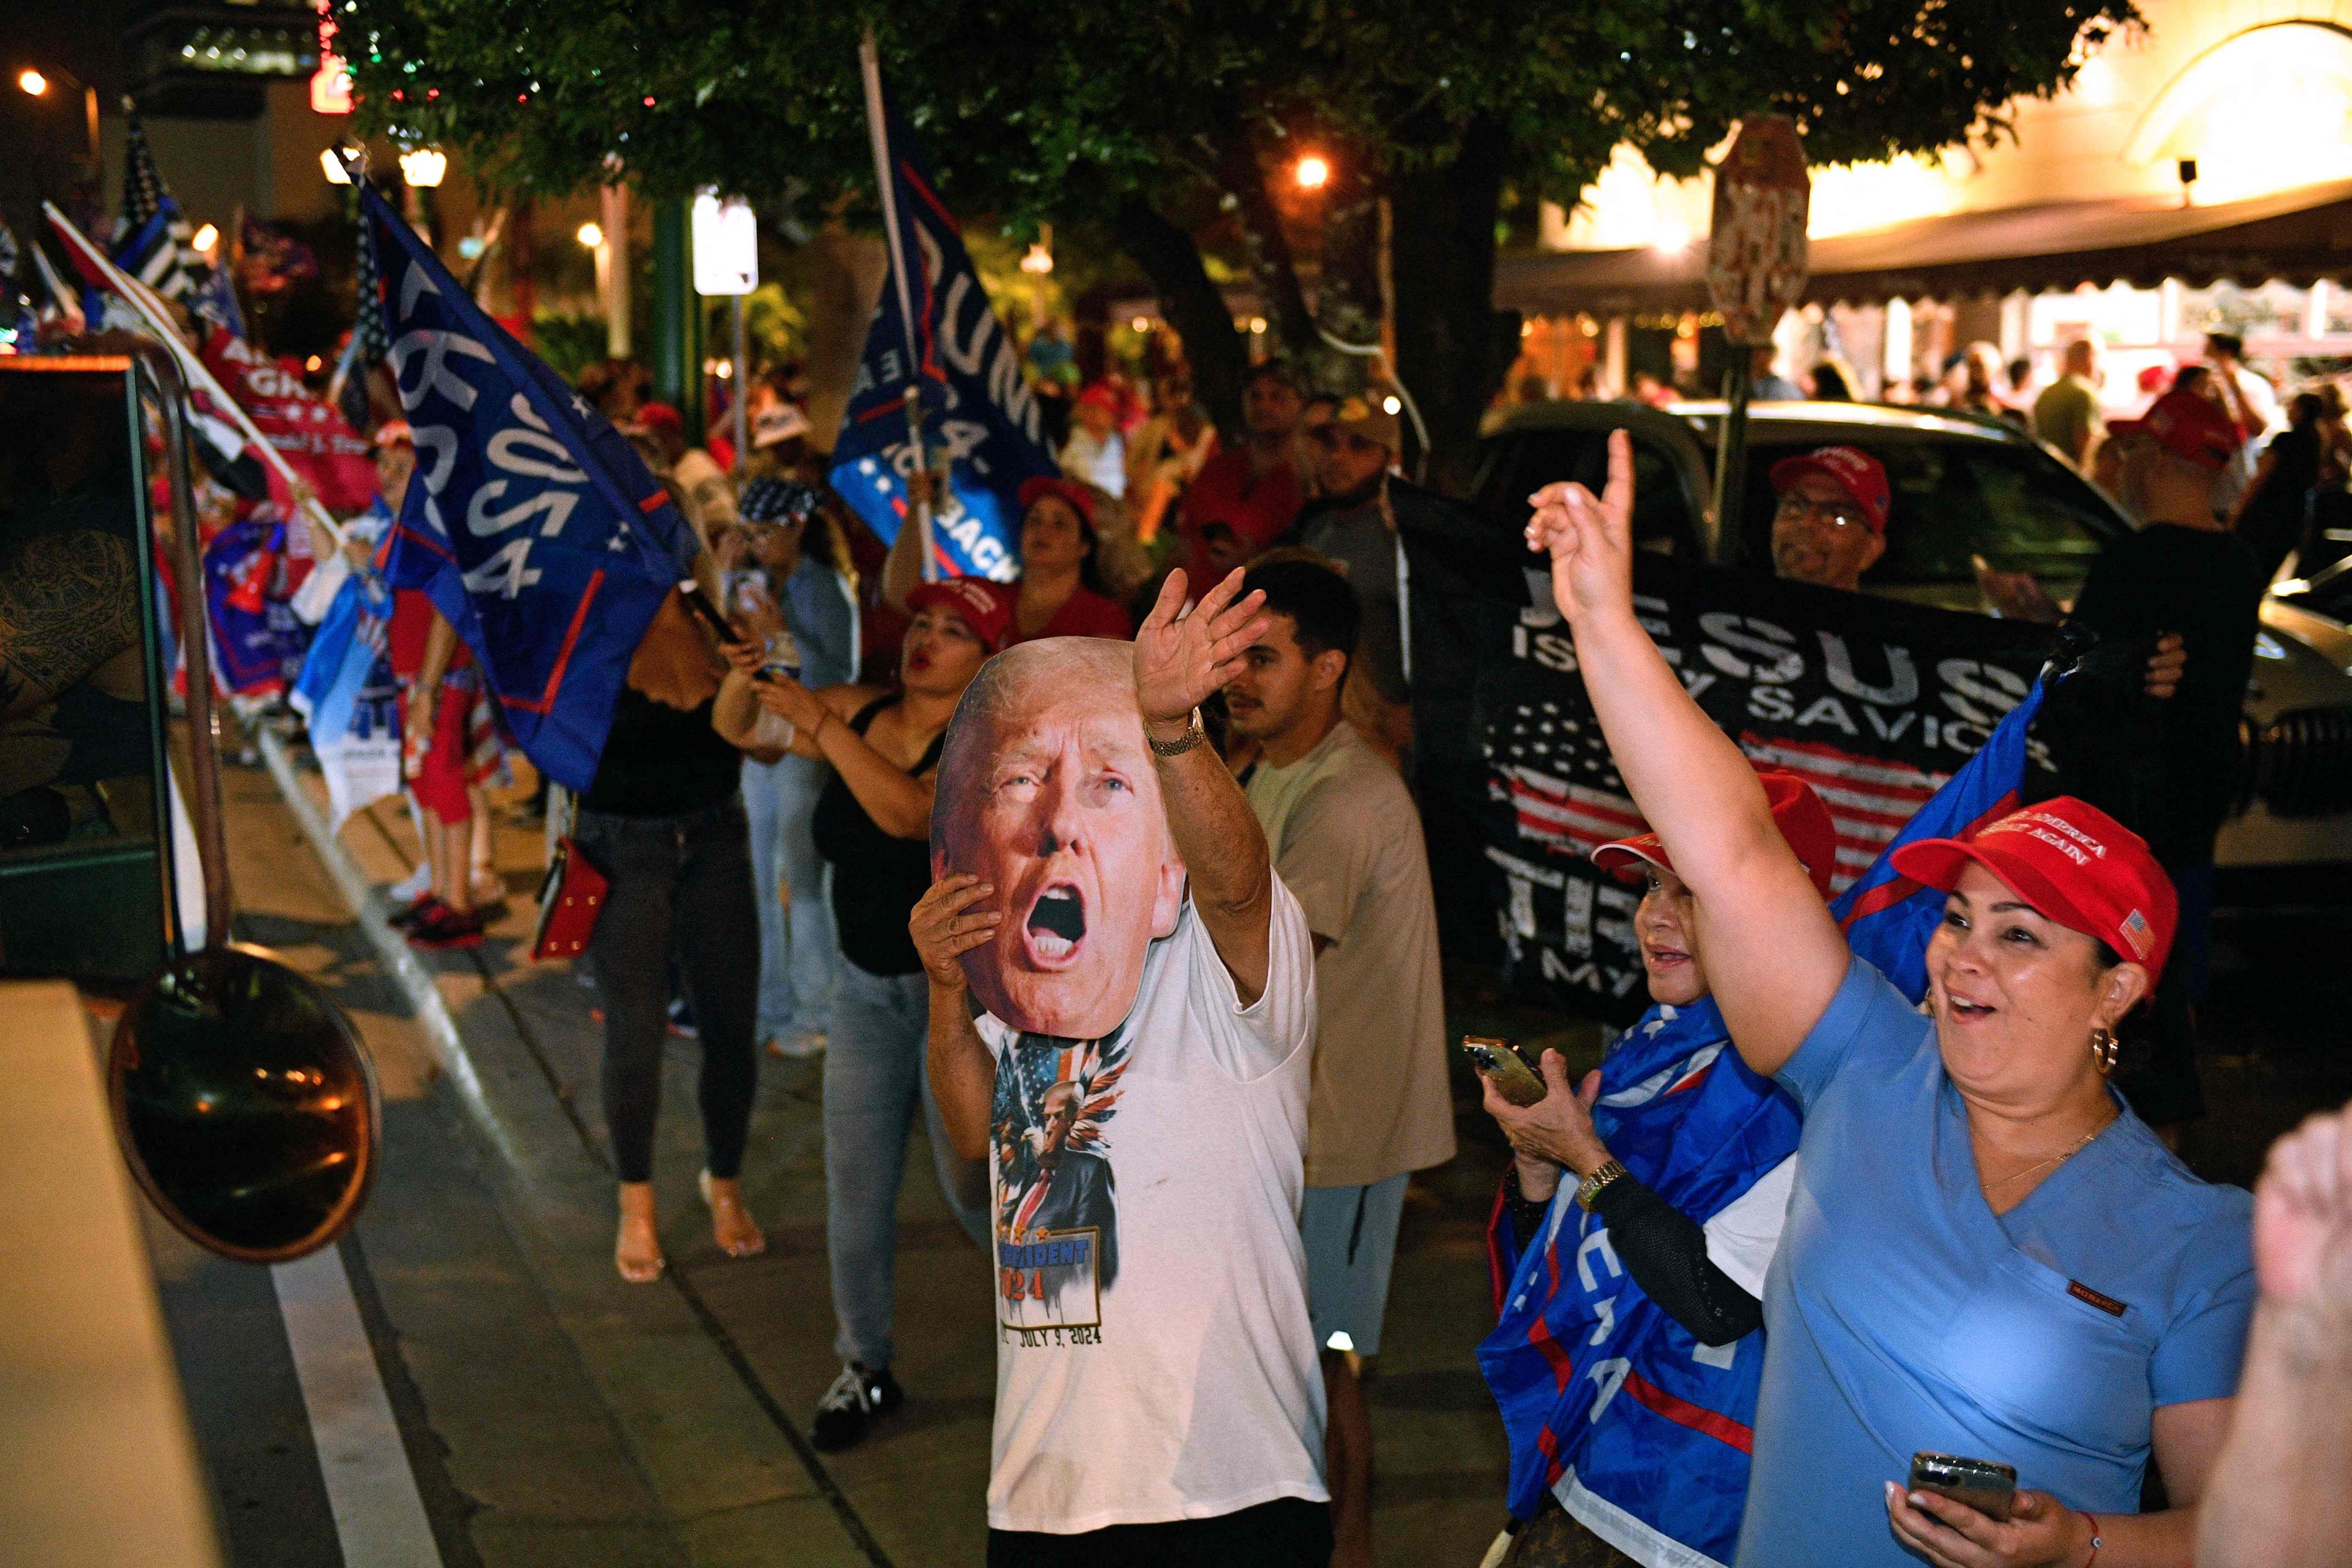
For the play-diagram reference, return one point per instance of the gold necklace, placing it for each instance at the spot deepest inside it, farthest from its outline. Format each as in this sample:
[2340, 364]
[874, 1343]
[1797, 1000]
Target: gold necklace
[2058, 1158]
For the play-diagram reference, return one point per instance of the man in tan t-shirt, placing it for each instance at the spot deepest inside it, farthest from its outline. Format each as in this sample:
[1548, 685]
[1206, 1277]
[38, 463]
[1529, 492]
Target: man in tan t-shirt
[1347, 841]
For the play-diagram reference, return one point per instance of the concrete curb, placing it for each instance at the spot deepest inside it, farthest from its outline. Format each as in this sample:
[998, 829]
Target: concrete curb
[392, 950]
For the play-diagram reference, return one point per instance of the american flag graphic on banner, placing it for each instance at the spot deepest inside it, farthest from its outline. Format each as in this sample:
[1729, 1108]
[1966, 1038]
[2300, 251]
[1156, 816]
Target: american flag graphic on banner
[1875, 703]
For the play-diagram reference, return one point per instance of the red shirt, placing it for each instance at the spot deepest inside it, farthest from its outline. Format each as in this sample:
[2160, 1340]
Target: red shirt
[1223, 492]
[1085, 613]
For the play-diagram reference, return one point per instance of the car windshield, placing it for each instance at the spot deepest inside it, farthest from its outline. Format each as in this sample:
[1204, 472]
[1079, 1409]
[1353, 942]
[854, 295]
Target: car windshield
[1955, 497]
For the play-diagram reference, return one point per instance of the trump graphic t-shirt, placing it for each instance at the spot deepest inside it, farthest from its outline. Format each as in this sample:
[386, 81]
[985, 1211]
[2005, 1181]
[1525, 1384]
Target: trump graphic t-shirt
[1154, 1360]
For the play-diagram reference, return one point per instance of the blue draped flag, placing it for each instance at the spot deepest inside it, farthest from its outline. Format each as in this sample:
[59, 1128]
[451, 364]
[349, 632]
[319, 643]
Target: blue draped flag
[347, 696]
[1887, 918]
[533, 525]
[1643, 1432]
[977, 411]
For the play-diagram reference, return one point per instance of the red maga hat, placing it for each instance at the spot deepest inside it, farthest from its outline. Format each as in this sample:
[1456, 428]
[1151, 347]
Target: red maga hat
[1797, 812]
[2075, 864]
[2192, 428]
[986, 607]
[1850, 469]
[1079, 498]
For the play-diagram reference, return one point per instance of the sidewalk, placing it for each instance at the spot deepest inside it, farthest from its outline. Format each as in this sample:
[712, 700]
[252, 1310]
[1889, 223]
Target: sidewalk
[703, 1385]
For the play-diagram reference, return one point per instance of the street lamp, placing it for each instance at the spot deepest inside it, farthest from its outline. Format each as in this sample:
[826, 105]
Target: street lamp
[36, 84]
[591, 235]
[330, 163]
[422, 167]
[1313, 173]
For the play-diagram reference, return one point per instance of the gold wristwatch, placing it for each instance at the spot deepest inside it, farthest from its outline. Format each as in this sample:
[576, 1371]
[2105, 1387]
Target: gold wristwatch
[1608, 1171]
[1182, 745]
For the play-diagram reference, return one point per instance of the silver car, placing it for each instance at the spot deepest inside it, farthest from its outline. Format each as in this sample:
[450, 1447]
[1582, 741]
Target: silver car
[1963, 488]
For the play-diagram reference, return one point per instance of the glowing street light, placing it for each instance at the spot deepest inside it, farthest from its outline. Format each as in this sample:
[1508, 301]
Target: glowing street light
[37, 83]
[1038, 261]
[1313, 173]
[424, 166]
[32, 81]
[591, 235]
[330, 163]
[206, 237]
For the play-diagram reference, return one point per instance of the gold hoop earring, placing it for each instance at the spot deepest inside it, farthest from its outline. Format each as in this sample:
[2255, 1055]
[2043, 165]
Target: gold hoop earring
[2104, 1047]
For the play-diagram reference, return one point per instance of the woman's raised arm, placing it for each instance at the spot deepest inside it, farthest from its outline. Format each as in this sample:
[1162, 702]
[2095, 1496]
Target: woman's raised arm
[1777, 960]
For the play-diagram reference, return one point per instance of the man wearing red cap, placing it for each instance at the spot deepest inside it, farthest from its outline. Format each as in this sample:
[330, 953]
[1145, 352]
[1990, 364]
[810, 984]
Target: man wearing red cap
[1829, 525]
[2183, 571]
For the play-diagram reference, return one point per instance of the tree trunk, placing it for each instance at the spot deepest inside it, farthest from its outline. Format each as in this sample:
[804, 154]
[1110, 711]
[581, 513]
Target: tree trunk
[1243, 175]
[1453, 347]
[1172, 261]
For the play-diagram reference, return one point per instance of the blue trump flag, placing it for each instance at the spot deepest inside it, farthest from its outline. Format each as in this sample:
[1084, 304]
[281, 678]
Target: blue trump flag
[1887, 918]
[976, 409]
[533, 525]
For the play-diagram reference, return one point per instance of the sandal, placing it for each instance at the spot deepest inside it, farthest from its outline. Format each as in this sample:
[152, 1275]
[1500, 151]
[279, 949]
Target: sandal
[757, 1243]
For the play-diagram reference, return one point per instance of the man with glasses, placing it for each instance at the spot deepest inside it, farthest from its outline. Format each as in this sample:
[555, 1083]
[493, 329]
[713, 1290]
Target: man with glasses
[1829, 525]
[1353, 523]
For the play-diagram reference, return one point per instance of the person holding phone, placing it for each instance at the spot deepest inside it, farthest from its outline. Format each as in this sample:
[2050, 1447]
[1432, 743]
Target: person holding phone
[873, 822]
[1986, 1255]
[1683, 1160]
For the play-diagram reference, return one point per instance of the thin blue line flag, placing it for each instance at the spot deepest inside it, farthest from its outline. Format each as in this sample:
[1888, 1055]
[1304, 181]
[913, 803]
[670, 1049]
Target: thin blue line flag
[976, 408]
[531, 523]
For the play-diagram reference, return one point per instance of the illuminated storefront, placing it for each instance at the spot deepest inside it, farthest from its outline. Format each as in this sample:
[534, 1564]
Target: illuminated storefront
[2197, 177]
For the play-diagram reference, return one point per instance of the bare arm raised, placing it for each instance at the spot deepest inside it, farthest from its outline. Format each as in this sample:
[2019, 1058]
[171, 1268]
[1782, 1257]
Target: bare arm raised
[1178, 663]
[1777, 965]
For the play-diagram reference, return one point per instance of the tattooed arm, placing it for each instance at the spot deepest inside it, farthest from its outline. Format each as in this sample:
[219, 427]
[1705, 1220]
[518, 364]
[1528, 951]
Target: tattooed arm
[68, 608]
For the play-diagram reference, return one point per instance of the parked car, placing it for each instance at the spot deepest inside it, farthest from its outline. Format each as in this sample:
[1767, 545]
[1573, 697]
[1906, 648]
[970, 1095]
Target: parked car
[1963, 486]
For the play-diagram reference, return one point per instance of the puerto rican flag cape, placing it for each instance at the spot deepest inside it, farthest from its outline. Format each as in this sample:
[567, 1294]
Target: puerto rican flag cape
[1641, 1432]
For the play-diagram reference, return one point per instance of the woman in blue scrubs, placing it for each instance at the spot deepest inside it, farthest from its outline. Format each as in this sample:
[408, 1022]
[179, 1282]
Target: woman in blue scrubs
[1985, 1254]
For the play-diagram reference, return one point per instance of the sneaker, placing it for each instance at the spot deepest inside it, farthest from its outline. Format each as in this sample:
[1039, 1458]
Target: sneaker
[445, 928]
[411, 888]
[681, 1020]
[850, 1406]
[409, 915]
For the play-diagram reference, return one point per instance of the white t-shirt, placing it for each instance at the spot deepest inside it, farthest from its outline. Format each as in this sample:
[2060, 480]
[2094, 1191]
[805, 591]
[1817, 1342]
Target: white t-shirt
[1154, 1358]
[1746, 1232]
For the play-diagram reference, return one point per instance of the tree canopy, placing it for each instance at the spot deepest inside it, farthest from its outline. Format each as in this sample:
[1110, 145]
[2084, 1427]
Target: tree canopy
[1163, 123]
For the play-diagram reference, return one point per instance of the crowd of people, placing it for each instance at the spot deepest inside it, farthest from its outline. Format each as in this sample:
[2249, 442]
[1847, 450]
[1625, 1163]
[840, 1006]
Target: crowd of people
[1112, 878]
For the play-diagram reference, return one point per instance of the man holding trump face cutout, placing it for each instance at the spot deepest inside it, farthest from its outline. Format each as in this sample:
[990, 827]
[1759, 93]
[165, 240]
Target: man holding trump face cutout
[1138, 1077]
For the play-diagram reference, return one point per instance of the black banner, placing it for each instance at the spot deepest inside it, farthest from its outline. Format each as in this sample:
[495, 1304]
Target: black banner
[1873, 701]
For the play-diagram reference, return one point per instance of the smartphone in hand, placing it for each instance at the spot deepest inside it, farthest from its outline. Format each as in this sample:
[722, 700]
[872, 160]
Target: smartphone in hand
[1984, 1485]
[1500, 1062]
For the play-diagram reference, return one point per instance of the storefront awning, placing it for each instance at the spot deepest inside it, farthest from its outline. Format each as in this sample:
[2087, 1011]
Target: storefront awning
[2297, 234]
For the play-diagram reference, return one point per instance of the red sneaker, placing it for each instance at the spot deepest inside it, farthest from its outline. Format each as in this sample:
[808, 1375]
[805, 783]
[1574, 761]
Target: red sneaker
[408, 915]
[445, 928]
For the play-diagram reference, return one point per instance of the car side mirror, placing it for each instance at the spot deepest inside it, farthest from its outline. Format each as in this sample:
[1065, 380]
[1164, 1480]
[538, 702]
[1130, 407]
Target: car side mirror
[244, 1102]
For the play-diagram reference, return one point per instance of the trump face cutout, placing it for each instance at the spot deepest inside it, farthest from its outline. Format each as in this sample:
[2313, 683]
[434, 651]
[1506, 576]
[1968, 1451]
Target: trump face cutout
[1047, 792]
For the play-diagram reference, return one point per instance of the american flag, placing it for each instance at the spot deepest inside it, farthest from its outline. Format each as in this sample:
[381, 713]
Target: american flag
[1555, 769]
[153, 241]
[1869, 799]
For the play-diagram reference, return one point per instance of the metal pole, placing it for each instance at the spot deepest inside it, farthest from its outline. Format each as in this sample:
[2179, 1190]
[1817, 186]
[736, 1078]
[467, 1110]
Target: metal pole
[90, 113]
[742, 382]
[203, 760]
[1731, 454]
[869, 61]
[673, 288]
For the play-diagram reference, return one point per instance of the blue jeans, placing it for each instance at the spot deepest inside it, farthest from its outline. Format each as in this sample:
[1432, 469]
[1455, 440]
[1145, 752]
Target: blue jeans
[796, 945]
[874, 1078]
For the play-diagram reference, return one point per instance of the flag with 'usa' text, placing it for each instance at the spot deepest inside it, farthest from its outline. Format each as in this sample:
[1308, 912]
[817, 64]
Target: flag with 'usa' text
[533, 525]
[977, 414]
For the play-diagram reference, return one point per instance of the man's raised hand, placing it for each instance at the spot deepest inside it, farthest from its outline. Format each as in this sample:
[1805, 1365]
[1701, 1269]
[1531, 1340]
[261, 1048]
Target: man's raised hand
[1588, 538]
[1180, 662]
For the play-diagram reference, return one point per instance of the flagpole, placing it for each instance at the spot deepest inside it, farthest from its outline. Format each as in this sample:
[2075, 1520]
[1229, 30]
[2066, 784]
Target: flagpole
[869, 62]
[143, 299]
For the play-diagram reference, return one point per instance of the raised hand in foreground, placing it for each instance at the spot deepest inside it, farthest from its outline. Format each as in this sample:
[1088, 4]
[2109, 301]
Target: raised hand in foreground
[1180, 660]
[1590, 537]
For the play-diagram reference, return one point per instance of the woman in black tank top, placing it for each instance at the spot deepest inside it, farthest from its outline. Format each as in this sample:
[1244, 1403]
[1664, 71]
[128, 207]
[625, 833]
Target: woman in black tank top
[872, 824]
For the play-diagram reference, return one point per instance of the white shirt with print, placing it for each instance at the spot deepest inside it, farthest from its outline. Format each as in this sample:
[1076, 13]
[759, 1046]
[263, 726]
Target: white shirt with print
[1154, 1358]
